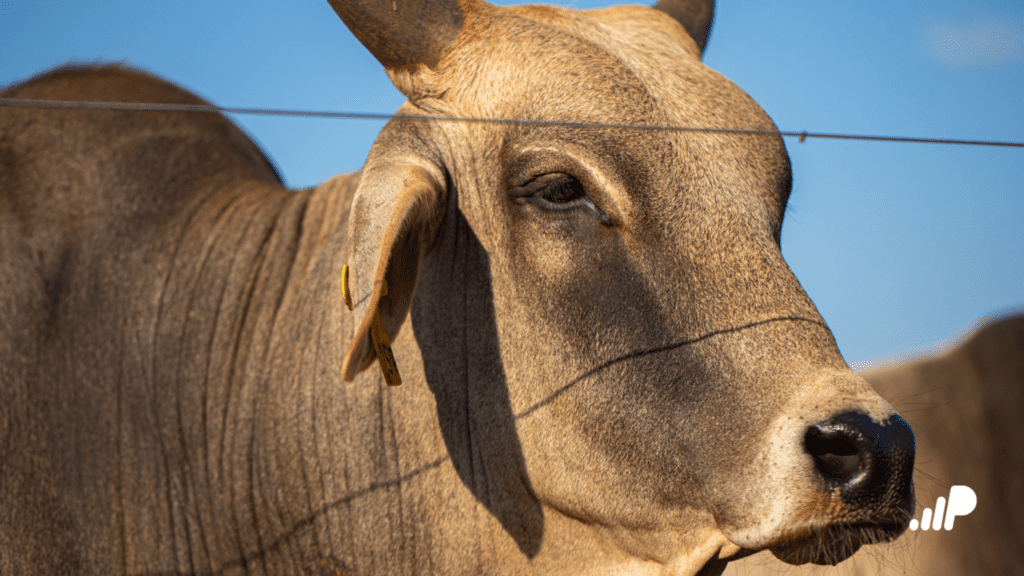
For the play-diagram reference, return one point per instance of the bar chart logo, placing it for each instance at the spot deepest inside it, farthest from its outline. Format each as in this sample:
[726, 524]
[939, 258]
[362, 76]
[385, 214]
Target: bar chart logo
[962, 501]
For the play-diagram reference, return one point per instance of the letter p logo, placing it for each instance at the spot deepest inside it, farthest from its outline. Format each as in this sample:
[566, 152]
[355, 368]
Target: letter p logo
[962, 501]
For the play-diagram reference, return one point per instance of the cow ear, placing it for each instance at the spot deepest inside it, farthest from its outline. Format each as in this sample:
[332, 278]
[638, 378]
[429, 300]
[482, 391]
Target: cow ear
[395, 215]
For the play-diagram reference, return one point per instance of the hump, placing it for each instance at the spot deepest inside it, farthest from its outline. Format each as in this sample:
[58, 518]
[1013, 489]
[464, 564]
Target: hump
[116, 163]
[119, 83]
[100, 83]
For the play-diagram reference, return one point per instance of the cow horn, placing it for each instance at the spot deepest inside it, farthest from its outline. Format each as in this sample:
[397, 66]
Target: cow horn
[694, 15]
[402, 34]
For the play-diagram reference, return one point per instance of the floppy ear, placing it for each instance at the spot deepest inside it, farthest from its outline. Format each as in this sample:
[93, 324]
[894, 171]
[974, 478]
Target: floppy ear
[395, 215]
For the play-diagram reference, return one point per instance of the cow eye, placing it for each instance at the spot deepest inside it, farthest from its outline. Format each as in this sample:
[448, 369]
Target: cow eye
[555, 192]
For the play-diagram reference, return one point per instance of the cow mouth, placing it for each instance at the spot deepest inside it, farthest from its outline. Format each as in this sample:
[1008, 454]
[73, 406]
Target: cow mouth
[830, 545]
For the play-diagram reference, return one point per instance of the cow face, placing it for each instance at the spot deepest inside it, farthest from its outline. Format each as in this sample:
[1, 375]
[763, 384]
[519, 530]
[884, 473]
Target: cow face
[666, 372]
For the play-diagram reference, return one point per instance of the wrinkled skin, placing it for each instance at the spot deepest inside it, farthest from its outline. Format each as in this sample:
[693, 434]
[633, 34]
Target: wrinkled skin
[607, 365]
[964, 404]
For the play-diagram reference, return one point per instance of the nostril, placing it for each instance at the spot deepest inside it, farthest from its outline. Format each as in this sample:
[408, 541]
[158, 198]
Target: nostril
[835, 454]
[869, 463]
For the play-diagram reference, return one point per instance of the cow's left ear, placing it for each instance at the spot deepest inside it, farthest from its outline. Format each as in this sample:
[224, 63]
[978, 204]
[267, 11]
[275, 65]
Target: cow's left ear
[395, 215]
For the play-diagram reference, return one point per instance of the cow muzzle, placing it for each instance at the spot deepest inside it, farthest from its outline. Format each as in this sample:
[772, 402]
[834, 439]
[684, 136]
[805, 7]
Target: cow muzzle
[864, 494]
[834, 472]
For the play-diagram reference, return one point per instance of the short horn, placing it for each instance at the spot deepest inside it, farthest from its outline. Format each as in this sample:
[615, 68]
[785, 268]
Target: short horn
[694, 15]
[403, 33]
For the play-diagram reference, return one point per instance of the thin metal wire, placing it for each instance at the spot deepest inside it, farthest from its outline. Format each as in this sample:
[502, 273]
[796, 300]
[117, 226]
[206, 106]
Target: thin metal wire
[518, 121]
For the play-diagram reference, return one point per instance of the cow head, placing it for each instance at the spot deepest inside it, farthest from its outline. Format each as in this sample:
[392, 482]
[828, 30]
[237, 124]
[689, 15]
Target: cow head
[671, 382]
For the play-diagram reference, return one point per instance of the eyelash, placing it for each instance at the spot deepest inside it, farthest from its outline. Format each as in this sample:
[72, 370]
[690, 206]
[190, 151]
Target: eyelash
[560, 193]
[563, 193]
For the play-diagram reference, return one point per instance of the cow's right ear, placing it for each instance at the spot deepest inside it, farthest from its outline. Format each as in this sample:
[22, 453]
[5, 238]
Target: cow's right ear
[395, 215]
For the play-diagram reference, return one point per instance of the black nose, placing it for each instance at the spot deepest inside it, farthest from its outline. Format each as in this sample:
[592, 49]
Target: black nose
[871, 464]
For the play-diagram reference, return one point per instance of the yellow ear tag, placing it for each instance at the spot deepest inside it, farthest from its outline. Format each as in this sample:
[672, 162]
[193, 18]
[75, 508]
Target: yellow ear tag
[378, 335]
[382, 344]
[344, 287]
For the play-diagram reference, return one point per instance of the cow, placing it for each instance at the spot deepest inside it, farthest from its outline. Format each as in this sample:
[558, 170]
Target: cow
[605, 364]
[964, 404]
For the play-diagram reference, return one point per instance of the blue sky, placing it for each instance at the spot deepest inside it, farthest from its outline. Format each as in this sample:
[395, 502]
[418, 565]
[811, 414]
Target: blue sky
[901, 246]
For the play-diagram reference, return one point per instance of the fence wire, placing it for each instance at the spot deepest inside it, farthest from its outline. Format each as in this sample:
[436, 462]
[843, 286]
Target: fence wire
[155, 107]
